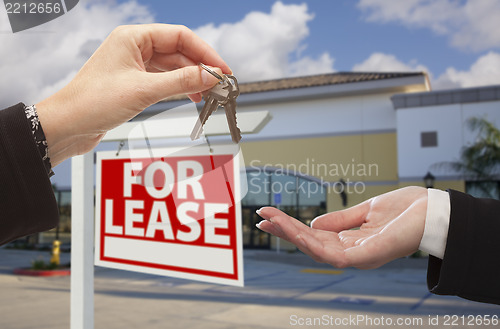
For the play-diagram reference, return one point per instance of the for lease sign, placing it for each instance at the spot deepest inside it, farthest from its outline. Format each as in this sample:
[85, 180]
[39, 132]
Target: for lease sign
[176, 213]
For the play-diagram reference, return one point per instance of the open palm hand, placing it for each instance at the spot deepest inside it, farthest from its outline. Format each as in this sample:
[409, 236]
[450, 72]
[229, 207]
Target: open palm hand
[390, 225]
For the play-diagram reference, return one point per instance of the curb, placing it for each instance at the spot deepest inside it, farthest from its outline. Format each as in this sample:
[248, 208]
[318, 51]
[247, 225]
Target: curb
[30, 272]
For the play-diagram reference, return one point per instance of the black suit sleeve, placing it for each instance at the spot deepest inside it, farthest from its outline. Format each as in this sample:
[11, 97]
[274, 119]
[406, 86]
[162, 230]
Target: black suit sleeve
[27, 202]
[470, 267]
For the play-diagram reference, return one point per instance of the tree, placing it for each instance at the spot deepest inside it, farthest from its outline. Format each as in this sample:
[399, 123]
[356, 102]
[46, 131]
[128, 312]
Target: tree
[480, 162]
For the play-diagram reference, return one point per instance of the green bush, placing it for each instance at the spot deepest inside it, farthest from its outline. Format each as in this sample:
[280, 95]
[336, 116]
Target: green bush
[40, 264]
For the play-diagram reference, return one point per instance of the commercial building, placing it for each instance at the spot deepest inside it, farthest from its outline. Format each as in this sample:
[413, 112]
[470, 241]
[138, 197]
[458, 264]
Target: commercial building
[432, 129]
[337, 139]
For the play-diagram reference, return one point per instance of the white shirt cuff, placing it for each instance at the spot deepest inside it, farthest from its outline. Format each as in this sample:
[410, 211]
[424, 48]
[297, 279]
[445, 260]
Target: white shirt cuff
[437, 222]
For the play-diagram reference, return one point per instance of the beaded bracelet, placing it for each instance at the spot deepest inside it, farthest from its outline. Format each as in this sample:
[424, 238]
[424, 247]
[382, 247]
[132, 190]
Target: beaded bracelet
[39, 136]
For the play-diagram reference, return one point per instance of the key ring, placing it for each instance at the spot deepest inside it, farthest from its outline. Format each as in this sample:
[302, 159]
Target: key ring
[215, 74]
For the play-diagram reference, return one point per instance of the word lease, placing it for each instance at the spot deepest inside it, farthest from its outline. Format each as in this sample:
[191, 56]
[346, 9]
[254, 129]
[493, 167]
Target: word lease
[176, 215]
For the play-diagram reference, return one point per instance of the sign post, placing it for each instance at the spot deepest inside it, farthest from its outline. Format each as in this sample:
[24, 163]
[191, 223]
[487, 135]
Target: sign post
[82, 242]
[277, 202]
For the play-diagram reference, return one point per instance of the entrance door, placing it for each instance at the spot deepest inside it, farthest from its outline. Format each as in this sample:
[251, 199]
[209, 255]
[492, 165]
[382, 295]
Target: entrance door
[253, 237]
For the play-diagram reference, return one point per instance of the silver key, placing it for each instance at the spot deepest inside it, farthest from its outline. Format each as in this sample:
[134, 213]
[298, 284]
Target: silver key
[224, 94]
[230, 108]
[217, 94]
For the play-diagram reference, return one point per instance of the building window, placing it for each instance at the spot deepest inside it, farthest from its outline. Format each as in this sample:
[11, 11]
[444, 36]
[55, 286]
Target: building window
[298, 196]
[428, 139]
[61, 232]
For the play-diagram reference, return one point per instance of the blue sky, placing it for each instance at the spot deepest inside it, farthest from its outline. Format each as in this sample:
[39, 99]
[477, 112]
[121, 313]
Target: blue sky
[350, 34]
[338, 27]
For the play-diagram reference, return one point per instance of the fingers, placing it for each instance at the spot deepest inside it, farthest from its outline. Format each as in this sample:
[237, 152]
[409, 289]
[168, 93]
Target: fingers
[342, 220]
[389, 228]
[168, 39]
[174, 49]
[268, 227]
[169, 62]
[196, 98]
[352, 238]
[160, 63]
[189, 80]
[276, 216]
[269, 212]
[284, 226]
[322, 246]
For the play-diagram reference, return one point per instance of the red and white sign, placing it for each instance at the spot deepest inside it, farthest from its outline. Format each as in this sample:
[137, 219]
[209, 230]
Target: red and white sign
[176, 215]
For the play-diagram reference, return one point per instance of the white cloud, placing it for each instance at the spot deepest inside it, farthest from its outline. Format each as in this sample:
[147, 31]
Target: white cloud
[484, 71]
[380, 62]
[469, 24]
[309, 66]
[38, 62]
[261, 45]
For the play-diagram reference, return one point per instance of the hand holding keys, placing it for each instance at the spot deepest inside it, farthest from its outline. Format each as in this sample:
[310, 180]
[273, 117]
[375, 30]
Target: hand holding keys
[224, 94]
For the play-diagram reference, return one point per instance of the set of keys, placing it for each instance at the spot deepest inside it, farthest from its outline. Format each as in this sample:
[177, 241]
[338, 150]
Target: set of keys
[223, 94]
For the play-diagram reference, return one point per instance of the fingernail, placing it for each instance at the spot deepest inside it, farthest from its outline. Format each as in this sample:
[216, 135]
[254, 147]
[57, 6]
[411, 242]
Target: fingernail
[259, 212]
[259, 223]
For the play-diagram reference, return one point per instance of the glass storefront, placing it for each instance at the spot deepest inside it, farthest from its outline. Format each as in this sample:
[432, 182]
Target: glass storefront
[299, 196]
[63, 231]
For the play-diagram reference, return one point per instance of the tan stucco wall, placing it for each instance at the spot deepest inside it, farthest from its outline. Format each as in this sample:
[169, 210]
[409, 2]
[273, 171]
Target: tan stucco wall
[368, 162]
[362, 157]
[358, 159]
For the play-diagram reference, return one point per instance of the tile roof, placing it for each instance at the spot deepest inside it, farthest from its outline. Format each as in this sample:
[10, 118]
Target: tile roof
[314, 81]
[445, 97]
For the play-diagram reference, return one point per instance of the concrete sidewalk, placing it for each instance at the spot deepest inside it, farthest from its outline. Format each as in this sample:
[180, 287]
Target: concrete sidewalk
[281, 291]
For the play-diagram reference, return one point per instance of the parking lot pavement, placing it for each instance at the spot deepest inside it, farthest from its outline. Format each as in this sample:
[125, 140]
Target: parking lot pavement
[281, 291]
